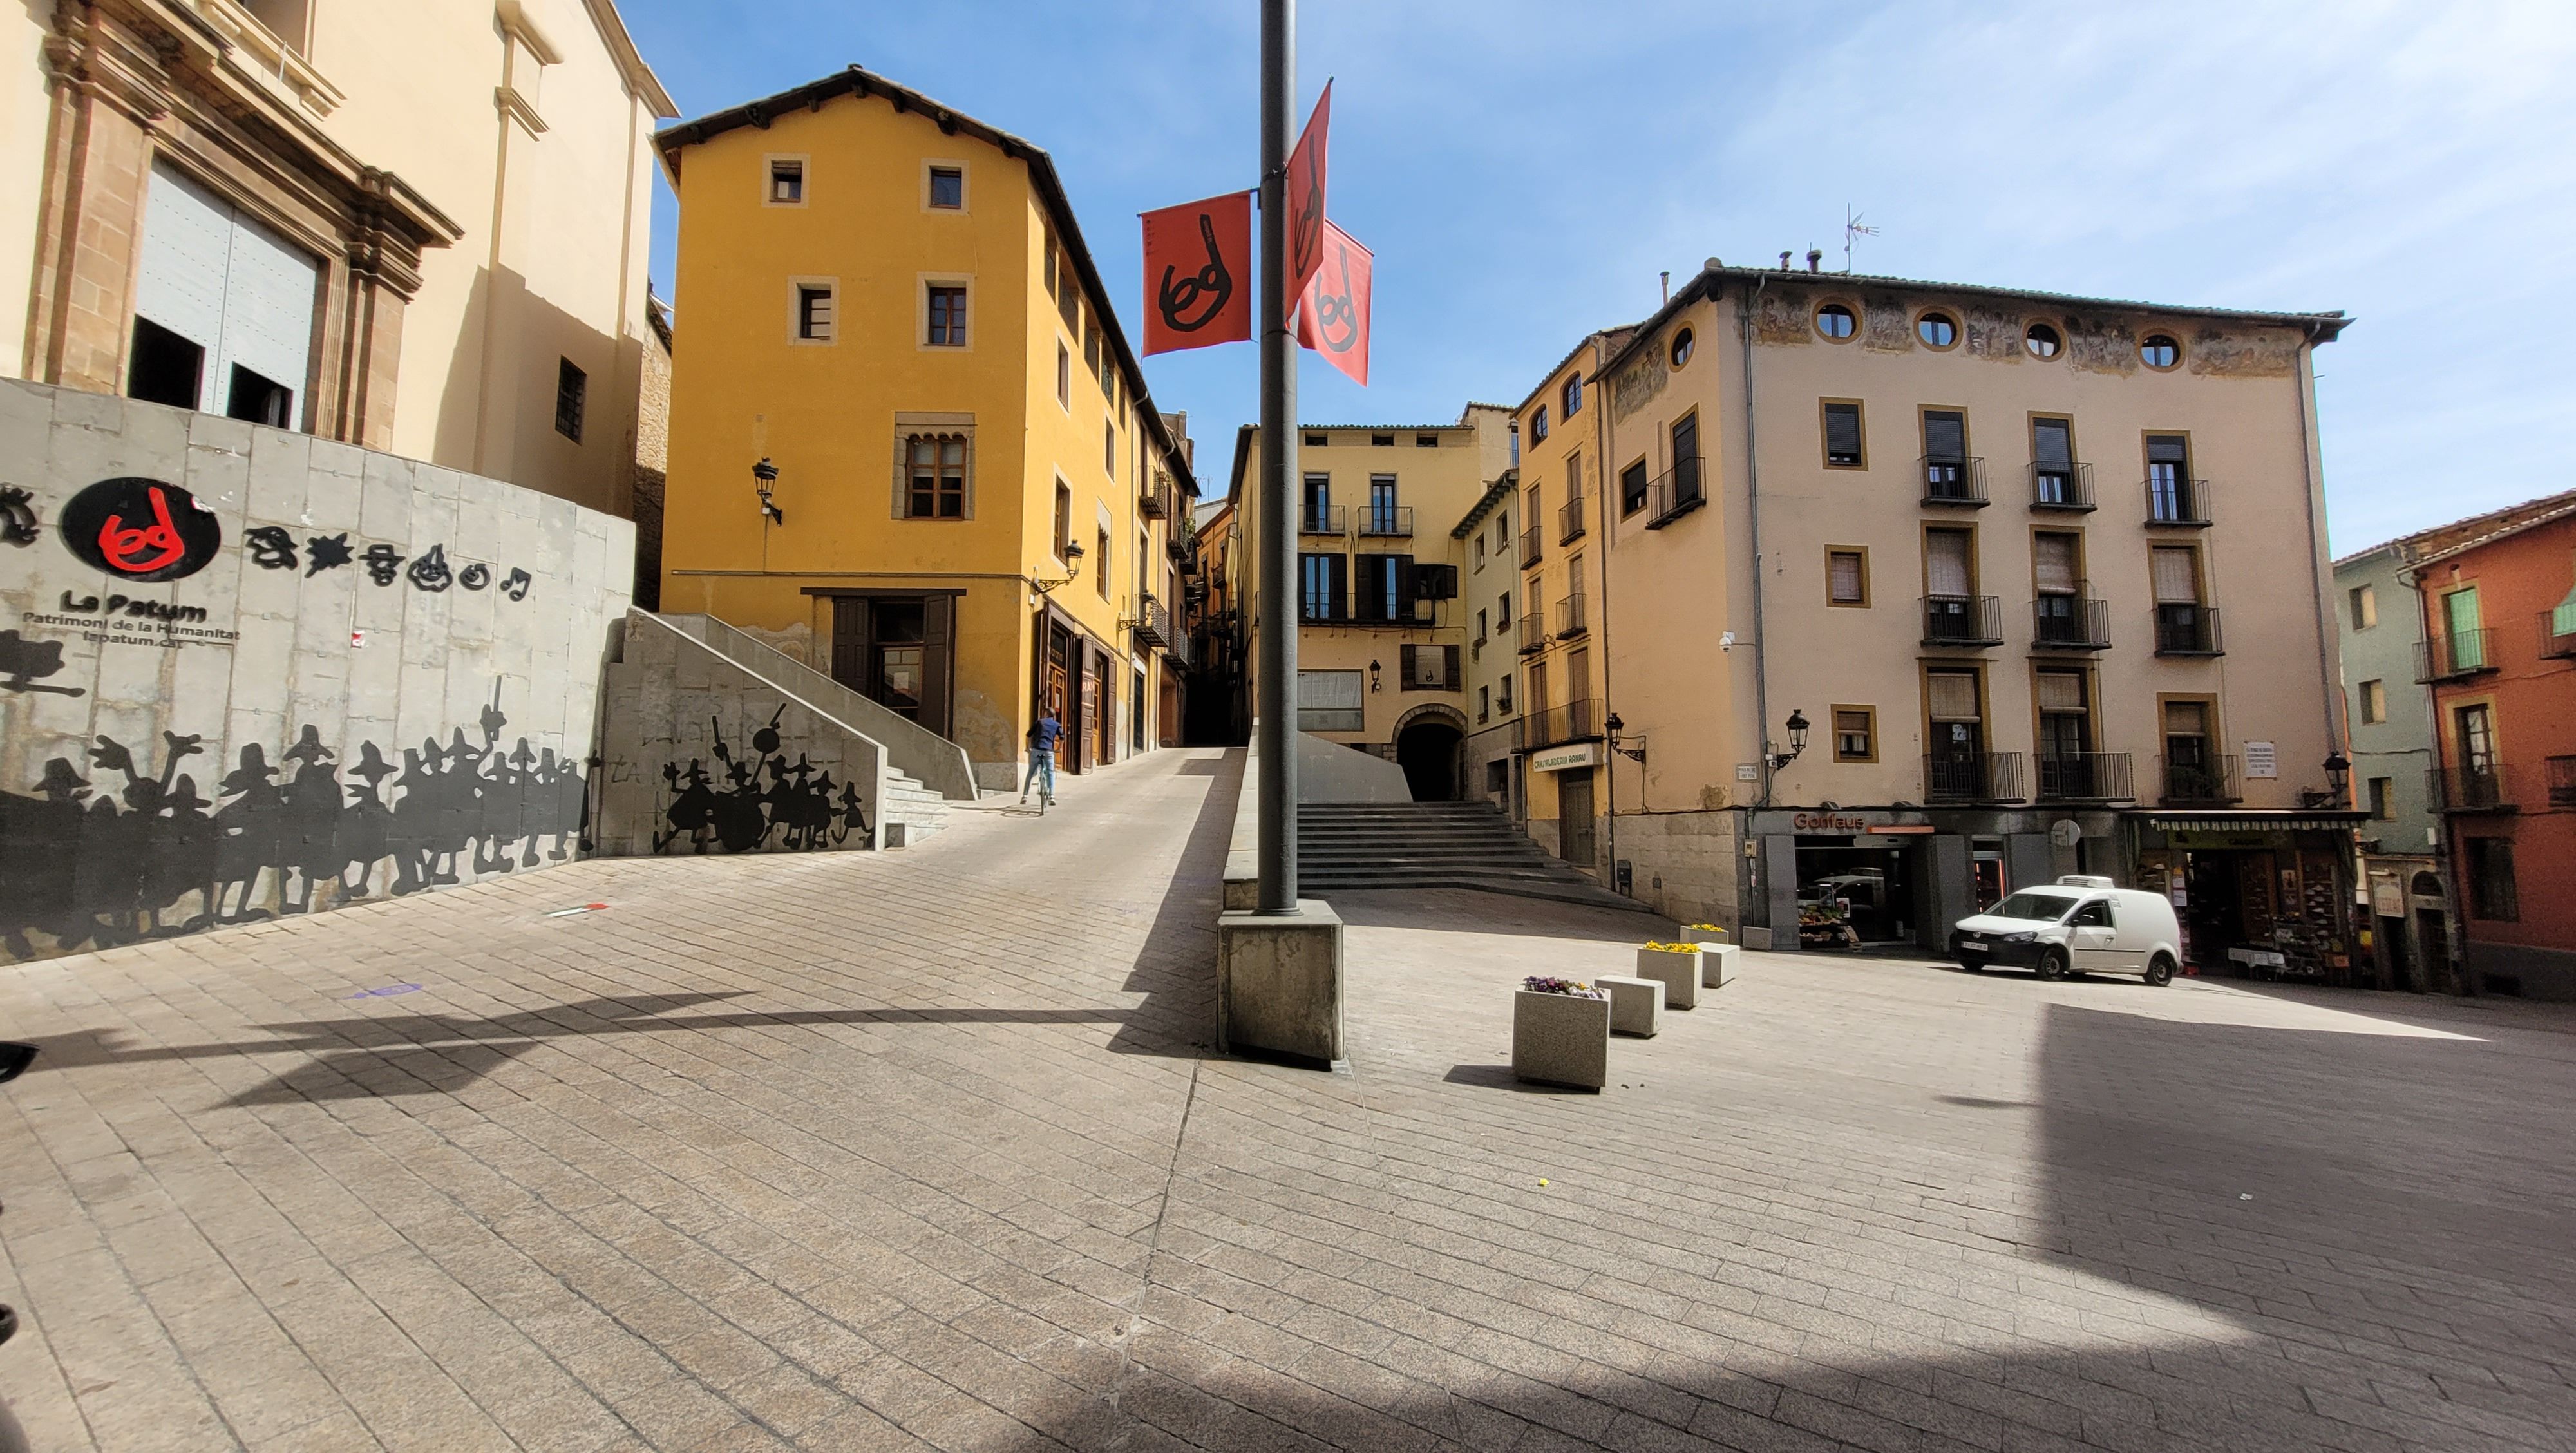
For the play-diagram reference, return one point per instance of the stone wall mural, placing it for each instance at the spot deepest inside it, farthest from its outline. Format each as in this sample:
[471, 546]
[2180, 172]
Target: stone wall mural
[245, 672]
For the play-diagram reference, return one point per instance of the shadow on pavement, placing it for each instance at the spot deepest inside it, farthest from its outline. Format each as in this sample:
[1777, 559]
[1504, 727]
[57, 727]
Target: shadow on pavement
[1175, 969]
[1500, 1077]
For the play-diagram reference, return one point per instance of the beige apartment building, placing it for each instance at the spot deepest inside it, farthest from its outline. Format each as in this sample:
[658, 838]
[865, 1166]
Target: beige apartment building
[418, 228]
[1920, 593]
[1383, 633]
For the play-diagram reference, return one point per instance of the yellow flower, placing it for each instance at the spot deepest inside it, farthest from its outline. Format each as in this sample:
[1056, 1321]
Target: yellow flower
[1674, 948]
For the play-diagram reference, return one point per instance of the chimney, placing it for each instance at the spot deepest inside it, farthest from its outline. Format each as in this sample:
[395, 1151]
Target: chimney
[1668, 285]
[1815, 255]
[1784, 262]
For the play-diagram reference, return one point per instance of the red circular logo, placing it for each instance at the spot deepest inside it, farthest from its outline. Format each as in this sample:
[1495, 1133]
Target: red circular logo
[141, 529]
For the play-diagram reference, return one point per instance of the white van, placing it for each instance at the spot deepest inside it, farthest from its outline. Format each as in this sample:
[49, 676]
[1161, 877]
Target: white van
[2079, 924]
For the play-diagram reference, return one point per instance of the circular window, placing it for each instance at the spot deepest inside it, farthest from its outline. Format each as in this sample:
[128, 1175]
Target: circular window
[1682, 345]
[2042, 340]
[1836, 321]
[1939, 330]
[2159, 350]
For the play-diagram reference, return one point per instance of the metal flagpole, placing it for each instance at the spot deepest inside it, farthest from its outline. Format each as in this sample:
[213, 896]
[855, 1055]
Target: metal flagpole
[1278, 564]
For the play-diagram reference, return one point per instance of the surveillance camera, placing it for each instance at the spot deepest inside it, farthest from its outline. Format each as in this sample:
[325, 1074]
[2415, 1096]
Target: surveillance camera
[1726, 640]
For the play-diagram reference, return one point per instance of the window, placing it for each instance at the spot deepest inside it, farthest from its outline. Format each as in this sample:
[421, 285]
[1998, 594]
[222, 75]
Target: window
[786, 181]
[1480, 549]
[1063, 518]
[1503, 611]
[1382, 441]
[1571, 396]
[1484, 704]
[2065, 736]
[2374, 702]
[2052, 461]
[948, 188]
[2382, 794]
[165, 368]
[1855, 734]
[2474, 735]
[2159, 351]
[1950, 574]
[1063, 374]
[1937, 330]
[1331, 701]
[1946, 474]
[935, 478]
[1843, 435]
[1318, 518]
[1686, 482]
[2057, 574]
[2191, 774]
[2042, 340]
[1538, 425]
[1429, 668]
[2096, 914]
[572, 389]
[1503, 694]
[1068, 298]
[2492, 895]
[1100, 566]
[1318, 441]
[1480, 628]
[947, 315]
[1382, 517]
[1109, 447]
[1632, 488]
[2175, 572]
[2171, 496]
[1847, 577]
[816, 311]
[1385, 588]
[1426, 441]
[1682, 345]
[1047, 265]
[2365, 607]
[259, 400]
[1836, 321]
[1956, 764]
[1091, 345]
[1322, 593]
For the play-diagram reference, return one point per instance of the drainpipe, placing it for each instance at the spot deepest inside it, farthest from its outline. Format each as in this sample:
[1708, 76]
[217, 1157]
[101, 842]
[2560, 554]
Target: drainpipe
[1753, 508]
[1609, 536]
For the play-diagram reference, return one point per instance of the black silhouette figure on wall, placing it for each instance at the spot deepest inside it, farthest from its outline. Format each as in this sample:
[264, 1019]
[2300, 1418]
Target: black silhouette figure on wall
[87, 869]
[23, 662]
[795, 804]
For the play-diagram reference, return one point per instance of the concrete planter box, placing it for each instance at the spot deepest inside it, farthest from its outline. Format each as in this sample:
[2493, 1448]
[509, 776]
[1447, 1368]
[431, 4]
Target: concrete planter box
[1559, 1039]
[1678, 971]
[1636, 1005]
[1717, 964]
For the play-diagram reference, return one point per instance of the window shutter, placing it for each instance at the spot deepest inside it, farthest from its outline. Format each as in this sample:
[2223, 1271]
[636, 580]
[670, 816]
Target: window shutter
[1952, 695]
[1685, 440]
[1405, 666]
[1842, 430]
[1846, 585]
[937, 645]
[1946, 562]
[1945, 434]
[2165, 448]
[2054, 563]
[2061, 691]
[2177, 582]
[2186, 719]
[2050, 443]
[1449, 664]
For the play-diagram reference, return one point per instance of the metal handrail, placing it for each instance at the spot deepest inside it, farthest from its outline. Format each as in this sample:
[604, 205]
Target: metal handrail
[1948, 481]
[1569, 521]
[2188, 630]
[1675, 492]
[1531, 548]
[1962, 620]
[2070, 623]
[2085, 777]
[2208, 781]
[2485, 788]
[2182, 502]
[1573, 722]
[1533, 633]
[2061, 486]
[1330, 520]
[2458, 654]
[1570, 616]
[1980, 777]
[1386, 519]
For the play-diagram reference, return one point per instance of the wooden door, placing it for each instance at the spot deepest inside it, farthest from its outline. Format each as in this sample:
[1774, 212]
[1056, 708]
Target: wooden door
[850, 642]
[1058, 695]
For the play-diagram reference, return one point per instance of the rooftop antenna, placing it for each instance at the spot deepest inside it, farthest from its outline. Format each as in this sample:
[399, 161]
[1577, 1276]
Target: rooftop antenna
[1852, 228]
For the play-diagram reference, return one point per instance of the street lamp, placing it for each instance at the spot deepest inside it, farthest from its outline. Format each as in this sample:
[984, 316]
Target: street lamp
[1634, 753]
[2339, 773]
[1073, 553]
[763, 475]
[1373, 670]
[1797, 740]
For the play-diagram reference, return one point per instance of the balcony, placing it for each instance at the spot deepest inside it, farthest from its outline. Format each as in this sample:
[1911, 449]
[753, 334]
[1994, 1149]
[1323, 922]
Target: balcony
[2069, 623]
[2562, 781]
[1533, 633]
[2456, 657]
[1569, 521]
[2178, 504]
[1976, 777]
[1156, 503]
[1531, 550]
[1959, 482]
[1962, 621]
[2199, 781]
[1184, 553]
[1324, 520]
[2061, 486]
[2085, 777]
[2557, 644]
[1153, 622]
[1576, 721]
[2473, 789]
[1386, 519]
[1570, 620]
[1675, 493]
[2188, 630]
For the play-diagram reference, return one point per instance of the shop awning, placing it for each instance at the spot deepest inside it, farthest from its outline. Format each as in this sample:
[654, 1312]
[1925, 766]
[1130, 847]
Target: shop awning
[2310, 821]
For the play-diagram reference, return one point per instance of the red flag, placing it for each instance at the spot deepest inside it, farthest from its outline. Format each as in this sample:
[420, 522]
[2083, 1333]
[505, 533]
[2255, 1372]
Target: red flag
[1333, 318]
[1305, 201]
[1198, 274]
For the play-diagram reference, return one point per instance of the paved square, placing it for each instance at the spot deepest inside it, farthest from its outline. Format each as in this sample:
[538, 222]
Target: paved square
[922, 1149]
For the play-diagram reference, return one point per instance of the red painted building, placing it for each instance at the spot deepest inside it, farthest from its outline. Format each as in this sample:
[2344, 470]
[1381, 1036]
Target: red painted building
[2499, 653]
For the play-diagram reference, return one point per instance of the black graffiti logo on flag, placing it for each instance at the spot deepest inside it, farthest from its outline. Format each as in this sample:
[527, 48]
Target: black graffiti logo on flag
[1178, 296]
[1337, 317]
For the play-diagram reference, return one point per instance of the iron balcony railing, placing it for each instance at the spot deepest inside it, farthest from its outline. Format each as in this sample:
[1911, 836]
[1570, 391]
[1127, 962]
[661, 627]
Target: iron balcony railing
[1569, 521]
[2061, 486]
[1378, 519]
[2199, 780]
[2557, 636]
[1153, 622]
[2188, 630]
[1962, 620]
[1675, 493]
[1575, 721]
[1155, 503]
[2183, 503]
[2070, 623]
[2562, 781]
[1324, 520]
[1570, 616]
[1531, 549]
[1975, 777]
[2459, 654]
[1533, 632]
[2476, 788]
[1948, 481]
[2085, 777]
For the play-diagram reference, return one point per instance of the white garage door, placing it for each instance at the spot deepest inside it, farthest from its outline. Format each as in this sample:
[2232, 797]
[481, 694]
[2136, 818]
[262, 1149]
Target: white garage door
[234, 289]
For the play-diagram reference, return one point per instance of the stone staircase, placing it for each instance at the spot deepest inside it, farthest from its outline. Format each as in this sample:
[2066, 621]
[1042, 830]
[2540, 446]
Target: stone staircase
[909, 809]
[1350, 847]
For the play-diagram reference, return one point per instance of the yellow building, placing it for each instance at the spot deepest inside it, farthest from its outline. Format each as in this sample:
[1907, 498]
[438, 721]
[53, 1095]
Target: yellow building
[890, 305]
[418, 228]
[1382, 631]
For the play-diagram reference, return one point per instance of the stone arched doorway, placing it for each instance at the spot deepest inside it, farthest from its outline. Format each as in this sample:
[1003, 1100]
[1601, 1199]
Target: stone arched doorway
[1430, 745]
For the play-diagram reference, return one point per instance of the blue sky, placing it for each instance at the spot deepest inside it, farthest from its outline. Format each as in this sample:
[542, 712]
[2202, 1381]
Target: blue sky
[1523, 171]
